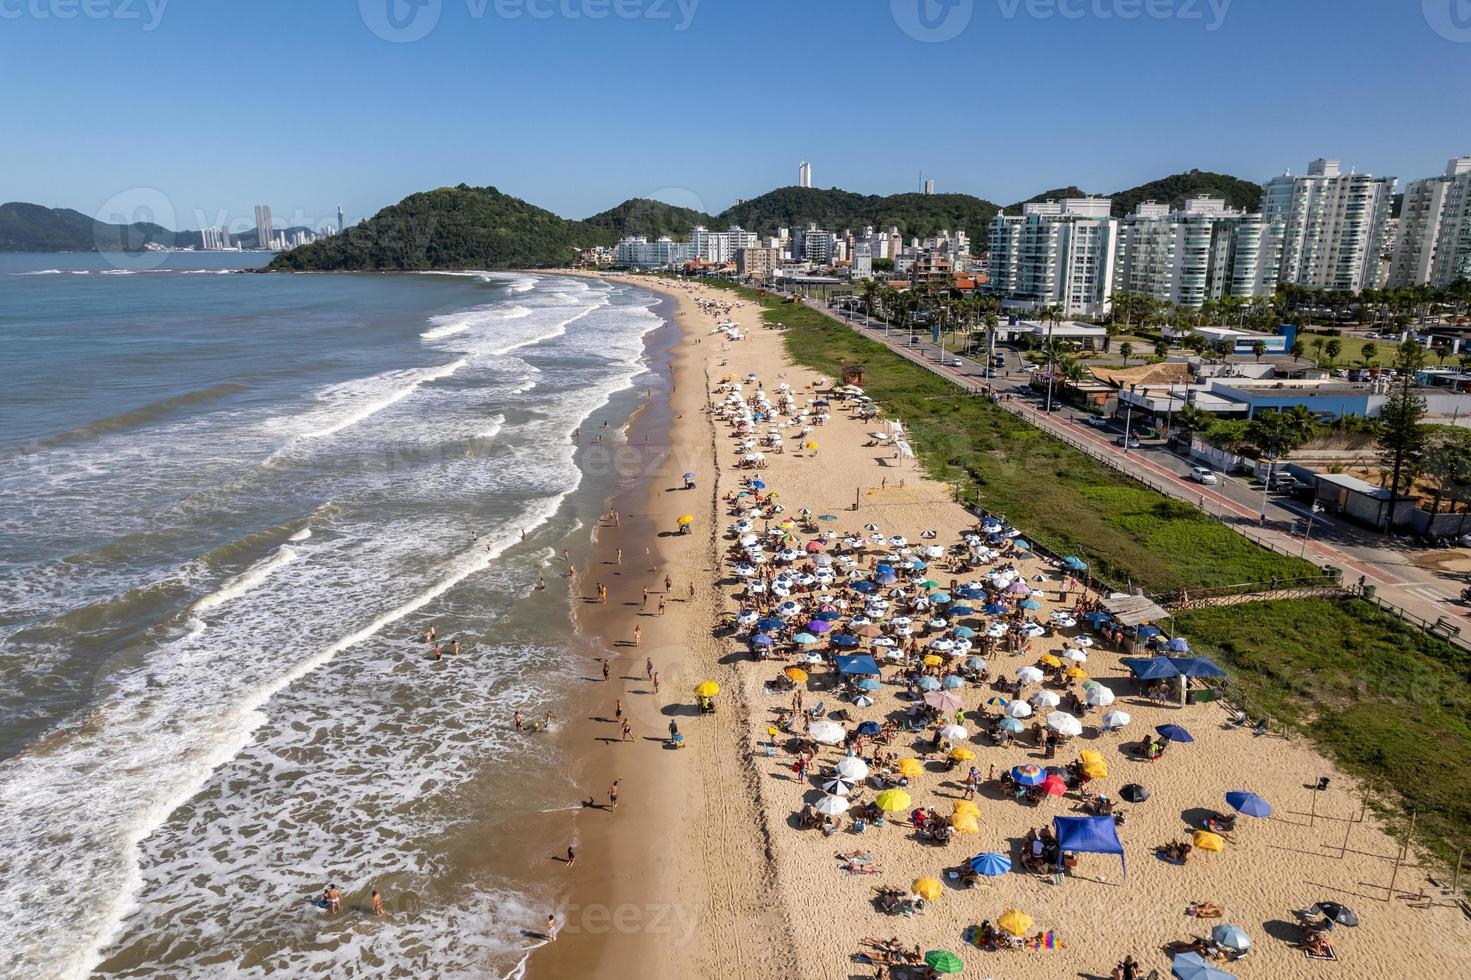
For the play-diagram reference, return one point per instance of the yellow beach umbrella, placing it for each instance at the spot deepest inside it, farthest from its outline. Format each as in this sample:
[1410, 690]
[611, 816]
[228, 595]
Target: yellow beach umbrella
[965, 807]
[707, 689]
[1077, 673]
[928, 889]
[965, 823]
[1207, 841]
[1049, 660]
[812, 445]
[962, 754]
[892, 800]
[933, 660]
[911, 767]
[1094, 766]
[796, 673]
[686, 519]
[1014, 922]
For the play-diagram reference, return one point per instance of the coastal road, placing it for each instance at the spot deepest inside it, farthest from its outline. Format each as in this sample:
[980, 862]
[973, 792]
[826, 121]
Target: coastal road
[1425, 583]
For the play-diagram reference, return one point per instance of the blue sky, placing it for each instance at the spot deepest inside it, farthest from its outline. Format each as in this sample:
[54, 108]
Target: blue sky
[210, 107]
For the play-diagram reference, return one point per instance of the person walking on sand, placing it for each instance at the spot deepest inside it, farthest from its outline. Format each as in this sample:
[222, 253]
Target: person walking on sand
[620, 556]
[571, 856]
[656, 682]
[606, 670]
[649, 668]
[645, 603]
[377, 904]
[638, 635]
[661, 605]
[613, 795]
[552, 928]
[668, 583]
[627, 730]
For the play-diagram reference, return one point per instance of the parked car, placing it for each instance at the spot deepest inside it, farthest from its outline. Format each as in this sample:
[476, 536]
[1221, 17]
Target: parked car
[955, 362]
[1097, 421]
[1201, 474]
[1130, 441]
[1285, 483]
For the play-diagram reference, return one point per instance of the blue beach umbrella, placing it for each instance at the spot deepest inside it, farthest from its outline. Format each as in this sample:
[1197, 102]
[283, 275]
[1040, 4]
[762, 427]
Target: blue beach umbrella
[994, 609]
[996, 701]
[758, 485]
[884, 570]
[1012, 725]
[844, 641]
[964, 632]
[1031, 604]
[951, 682]
[869, 684]
[990, 864]
[1028, 775]
[918, 565]
[961, 609]
[869, 728]
[1175, 733]
[940, 597]
[805, 639]
[826, 615]
[928, 684]
[863, 587]
[1234, 937]
[1074, 563]
[769, 623]
[1021, 545]
[1248, 803]
[1190, 966]
[975, 663]
[885, 579]
[1178, 644]
[761, 640]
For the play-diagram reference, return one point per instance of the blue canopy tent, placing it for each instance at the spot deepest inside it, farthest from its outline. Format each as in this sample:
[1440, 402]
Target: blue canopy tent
[1150, 668]
[1075, 564]
[1196, 667]
[857, 664]
[1088, 835]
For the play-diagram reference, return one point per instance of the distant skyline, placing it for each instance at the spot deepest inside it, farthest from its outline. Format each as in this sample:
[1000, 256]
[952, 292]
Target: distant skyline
[198, 112]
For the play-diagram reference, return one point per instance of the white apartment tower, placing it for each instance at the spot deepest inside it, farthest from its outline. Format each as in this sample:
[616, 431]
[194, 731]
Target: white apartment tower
[1201, 252]
[1056, 253]
[265, 228]
[1434, 241]
[1335, 226]
[804, 174]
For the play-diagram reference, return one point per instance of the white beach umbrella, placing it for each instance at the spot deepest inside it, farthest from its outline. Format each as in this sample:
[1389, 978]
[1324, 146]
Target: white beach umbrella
[954, 732]
[1029, 675]
[1017, 709]
[1099, 696]
[831, 806]
[852, 767]
[1064, 723]
[1076, 656]
[837, 785]
[826, 732]
[1046, 699]
[1115, 719]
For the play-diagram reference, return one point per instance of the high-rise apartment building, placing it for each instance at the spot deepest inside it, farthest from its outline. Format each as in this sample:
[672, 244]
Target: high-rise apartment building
[804, 174]
[1203, 251]
[1056, 253]
[1335, 226]
[1433, 243]
[265, 229]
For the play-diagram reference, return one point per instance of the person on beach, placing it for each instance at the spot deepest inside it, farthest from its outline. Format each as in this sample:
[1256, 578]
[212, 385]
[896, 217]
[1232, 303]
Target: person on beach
[438, 653]
[541, 585]
[627, 730]
[645, 603]
[552, 928]
[571, 856]
[334, 899]
[638, 635]
[571, 570]
[618, 711]
[518, 720]
[454, 647]
[668, 583]
[649, 668]
[377, 904]
[620, 556]
[429, 634]
[606, 670]
[656, 682]
[661, 605]
[546, 721]
[613, 795]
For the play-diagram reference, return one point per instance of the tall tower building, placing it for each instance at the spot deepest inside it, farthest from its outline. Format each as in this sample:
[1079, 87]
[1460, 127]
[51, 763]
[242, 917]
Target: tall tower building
[1434, 241]
[339, 219]
[1335, 226]
[264, 227]
[804, 174]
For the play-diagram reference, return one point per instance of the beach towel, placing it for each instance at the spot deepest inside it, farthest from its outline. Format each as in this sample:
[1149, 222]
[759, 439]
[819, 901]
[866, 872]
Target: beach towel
[1327, 954]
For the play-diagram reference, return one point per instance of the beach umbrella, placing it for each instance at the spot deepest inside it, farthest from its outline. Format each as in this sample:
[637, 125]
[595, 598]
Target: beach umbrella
[826, 732]
[758, 485]
[852, 767]
[892, 800]
[863, 701]
[813, 547]
[685, 519]
[1207, 841]
[1054, 785]
[885, 578]
[1029, 675]
[1335, 912]
[965, 823]
[911, 768]
[996, 701]
[796, 673]
[831, 806]
[844, 641]
[1019, 587]
[869, 728]
[1134, 793]
[1013, 725]
[863, 587]
[1178, 644]
[954, 732]
[1076, 656]
[1014, 922]
[1031, 604]
[928, 889]
[1115, 719]
[928, 684]
[761, 640]
[869, 631]
[1076, 673]
[942, 598]
[1190, 966]
[769, 623]
[1028, 775]
[827, 517]
[1018, 709]
[943, 961]
[963, 632]
[975, 663]
[1048, 660]
[952, 681]
[820, 625]
[933, 660]
[707, 689]
[965, 807]
[869, 684]
[689, 476]
[1248, 803]
[943, 701]
[838, 786]
[870, 528]
[990, 864]
[1233, 937]
[1046, 699]
[1094, 767]
[1099, 696]
[804, 639]
[1174, 733]
[994, 609]
[962, 754]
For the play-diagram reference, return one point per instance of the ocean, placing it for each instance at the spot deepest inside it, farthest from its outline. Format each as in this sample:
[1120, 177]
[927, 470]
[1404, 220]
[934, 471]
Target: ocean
[231, 504]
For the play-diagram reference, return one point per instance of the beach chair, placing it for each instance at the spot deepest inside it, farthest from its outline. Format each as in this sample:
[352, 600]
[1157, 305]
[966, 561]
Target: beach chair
[1260, 728]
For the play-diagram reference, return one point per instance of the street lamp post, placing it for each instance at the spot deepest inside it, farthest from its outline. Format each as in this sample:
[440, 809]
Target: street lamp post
[1317, 508]
[1129, 418]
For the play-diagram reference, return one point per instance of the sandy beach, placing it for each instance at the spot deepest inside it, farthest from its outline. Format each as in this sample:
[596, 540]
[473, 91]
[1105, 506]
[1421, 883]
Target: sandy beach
[702, 869]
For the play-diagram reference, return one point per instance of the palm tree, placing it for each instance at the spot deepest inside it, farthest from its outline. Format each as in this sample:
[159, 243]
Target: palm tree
[1258, 348]
[1297, 350]
[1368, 352]
[1126, 350]
[1161, 349]
[1317, 352]
[1333, 348]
